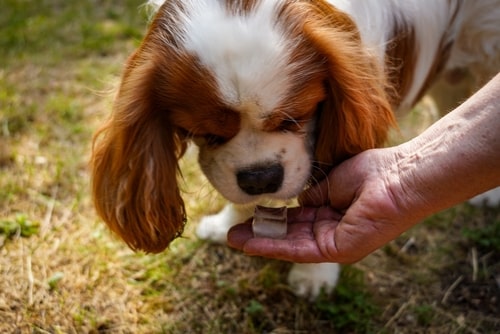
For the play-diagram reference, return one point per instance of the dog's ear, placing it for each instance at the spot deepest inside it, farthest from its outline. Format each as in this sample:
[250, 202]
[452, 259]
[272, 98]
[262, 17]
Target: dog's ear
[135, 162]
[357, 114]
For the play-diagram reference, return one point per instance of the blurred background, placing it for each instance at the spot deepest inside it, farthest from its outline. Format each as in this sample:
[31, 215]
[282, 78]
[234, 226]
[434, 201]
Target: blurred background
[61, 271]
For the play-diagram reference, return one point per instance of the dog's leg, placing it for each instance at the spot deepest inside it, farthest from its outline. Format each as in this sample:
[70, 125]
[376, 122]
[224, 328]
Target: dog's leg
[309, 279]
[214, 227]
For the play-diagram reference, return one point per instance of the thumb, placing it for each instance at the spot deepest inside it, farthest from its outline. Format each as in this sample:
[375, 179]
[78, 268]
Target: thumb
[316, 195]
[337, 190]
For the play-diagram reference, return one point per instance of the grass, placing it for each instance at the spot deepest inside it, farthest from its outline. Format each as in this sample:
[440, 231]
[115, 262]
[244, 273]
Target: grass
[20, 226]
[62, 272]
[485, 236]
[352, 309]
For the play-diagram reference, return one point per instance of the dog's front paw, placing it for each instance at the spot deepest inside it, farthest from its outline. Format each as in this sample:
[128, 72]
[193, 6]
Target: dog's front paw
[308, 279]
[214, 227]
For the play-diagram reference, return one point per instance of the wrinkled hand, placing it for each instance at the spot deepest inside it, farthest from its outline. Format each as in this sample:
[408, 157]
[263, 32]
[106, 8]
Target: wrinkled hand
[307, 238]
[347, 216]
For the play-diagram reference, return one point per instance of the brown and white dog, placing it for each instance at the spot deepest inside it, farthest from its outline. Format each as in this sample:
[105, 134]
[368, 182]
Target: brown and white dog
[274, 93]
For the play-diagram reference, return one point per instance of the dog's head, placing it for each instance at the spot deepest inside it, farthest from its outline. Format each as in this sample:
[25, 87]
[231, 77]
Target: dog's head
[274, 93]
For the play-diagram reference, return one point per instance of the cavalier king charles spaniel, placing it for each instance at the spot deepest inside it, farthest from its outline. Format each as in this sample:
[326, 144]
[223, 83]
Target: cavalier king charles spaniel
[274, 93]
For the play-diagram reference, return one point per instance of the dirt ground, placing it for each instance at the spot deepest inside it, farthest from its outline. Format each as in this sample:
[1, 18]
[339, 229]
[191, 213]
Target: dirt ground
[61, 271]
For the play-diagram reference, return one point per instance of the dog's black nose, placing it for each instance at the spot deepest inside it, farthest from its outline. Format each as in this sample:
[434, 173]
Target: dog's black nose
[260, 180]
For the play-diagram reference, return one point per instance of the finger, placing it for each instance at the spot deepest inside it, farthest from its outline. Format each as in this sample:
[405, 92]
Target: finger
[301, 214]
[300, 244]
[316, 195]
[344, 183]
[299, 223]
[294, 250]
[336, 190]
[327, 213]
[241, 237]
[306, 241]
[239, 234]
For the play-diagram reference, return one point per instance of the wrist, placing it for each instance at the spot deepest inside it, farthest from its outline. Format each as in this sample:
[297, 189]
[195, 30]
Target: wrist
[407, 184]
[444, 166]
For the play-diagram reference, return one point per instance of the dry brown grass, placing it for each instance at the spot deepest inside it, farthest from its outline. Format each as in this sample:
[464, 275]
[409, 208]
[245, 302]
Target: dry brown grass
[70, 276]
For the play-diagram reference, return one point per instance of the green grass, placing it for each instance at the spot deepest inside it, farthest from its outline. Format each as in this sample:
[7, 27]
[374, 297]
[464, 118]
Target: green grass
[20, 225]
[353, 309]
[66, 29]
[485, 235]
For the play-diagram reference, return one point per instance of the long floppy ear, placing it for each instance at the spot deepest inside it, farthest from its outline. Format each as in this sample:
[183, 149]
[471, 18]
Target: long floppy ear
[135, 163]
[357, 114]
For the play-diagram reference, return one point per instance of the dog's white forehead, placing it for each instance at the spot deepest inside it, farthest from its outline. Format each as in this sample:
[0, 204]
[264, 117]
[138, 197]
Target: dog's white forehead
[247, 52]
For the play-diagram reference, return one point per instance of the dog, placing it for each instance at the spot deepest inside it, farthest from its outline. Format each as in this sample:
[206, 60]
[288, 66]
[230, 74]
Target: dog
[274, 94]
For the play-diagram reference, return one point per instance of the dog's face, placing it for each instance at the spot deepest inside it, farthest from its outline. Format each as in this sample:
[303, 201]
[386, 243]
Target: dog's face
[269, 155]
[250, 148]
[253, 111]
[251, 106]
[271, 92]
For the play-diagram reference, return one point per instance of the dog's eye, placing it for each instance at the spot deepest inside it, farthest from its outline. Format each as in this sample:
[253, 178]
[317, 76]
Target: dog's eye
[214, 140]
[289, 125]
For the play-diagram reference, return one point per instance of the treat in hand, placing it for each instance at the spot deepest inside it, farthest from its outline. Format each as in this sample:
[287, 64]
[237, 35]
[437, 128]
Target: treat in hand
[270, 222]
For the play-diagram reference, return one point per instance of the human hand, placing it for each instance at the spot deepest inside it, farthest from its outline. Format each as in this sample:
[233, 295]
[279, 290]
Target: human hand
[347, 216]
